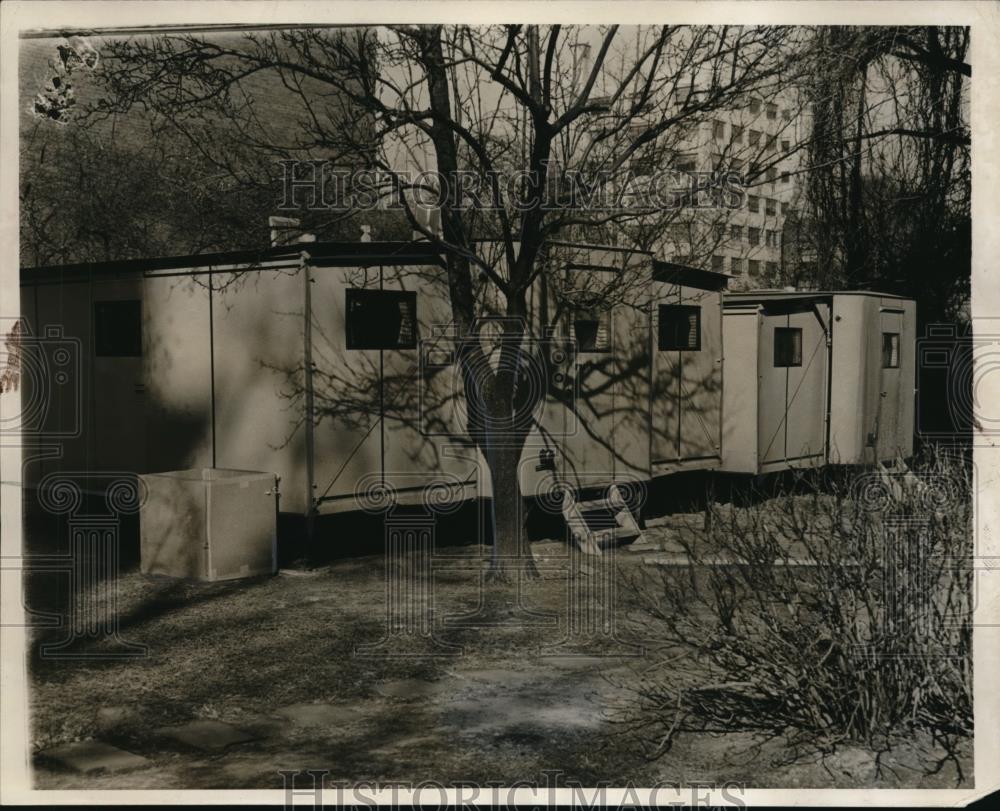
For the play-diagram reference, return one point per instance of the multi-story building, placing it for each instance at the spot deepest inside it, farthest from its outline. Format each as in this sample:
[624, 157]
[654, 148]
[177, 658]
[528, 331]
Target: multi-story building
[760, 140]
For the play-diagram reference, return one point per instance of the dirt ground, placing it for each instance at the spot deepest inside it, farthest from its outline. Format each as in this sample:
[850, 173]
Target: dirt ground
[514, 690]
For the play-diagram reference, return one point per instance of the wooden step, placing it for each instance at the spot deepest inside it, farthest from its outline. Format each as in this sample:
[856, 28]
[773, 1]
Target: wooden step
[599, 523]
[598, 504]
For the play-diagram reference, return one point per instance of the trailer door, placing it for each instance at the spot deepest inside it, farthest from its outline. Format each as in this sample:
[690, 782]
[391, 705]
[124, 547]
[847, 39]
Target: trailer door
[794, 362]
[887, 410]
[686, 390]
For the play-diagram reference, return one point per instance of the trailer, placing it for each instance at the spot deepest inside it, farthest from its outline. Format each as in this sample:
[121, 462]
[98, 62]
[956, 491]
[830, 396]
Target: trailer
[333, 366]
[816, 378]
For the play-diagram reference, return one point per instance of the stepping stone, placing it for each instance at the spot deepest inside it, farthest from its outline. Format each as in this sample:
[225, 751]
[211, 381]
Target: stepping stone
[92, 756]
[206, 735]
[408, 689]
[113, 716]
[643, 546]
[263, 726]
[319, 715]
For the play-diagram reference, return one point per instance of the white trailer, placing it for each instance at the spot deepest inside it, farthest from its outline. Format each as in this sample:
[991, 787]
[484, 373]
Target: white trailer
[816, 378]
[331, 365]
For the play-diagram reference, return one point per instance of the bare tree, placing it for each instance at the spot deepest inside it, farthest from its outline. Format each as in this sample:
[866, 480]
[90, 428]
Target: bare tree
[889, 180]
[541, 121]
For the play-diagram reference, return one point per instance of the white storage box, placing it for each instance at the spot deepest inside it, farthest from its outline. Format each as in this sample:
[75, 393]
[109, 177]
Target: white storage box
[209, 524]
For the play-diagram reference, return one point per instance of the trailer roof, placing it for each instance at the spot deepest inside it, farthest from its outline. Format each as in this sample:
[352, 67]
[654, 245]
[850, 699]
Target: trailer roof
[689, 276]
[777, 295]
[326, 254]
[348, 253]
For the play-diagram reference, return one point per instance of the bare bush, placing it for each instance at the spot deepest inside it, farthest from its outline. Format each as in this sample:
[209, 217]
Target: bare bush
[832, 613]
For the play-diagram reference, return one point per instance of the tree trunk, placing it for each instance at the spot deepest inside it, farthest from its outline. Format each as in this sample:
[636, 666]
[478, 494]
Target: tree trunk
[858, 272]
[512, 554]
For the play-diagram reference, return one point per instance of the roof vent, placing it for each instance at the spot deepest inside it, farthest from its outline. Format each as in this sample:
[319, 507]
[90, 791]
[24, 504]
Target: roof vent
[429, 218]
[285, 231]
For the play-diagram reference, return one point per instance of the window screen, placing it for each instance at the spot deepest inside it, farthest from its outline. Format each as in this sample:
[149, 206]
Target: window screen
[890, 350]
[680, 327]
[787, 346]
[118, 329]
[381, 319]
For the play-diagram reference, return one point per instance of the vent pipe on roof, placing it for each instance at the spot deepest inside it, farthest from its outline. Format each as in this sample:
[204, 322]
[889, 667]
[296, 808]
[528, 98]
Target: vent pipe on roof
[287, 231]
[428, 218]
[284, 230]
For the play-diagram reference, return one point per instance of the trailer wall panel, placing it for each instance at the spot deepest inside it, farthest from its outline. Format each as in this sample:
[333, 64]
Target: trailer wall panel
[177, 371]
[740, 402]
[259, 391]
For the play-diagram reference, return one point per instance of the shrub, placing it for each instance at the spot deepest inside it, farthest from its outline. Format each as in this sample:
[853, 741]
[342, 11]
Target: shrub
[839, 614]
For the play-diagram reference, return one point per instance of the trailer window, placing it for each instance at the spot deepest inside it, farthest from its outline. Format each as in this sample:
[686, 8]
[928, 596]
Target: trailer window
[890, 350]
[680, 327]
[381, 319]
[787, 346]
[118, 329]
[592, 332]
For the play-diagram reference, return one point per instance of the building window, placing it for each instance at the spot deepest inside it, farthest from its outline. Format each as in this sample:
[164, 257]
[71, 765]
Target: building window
[785, 178]
[736, 232]
[772, 143]
[644, 164]
[754, 235]
[754, 137]
[786, 146]
[890, 350]
[718, 262]
[679, 328]
[786, 114]
[786, 208]
[771, 268]
[754, 203]
[718, 130]
[381, 319]
[772, 239]
[118, 329]
[720, 230]
[686, 163]
[754, 267]
[787, 346]
[772, 174]
[755, 106]
[772, 111]
[770, 207]
[736, 265]
[737, 134]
